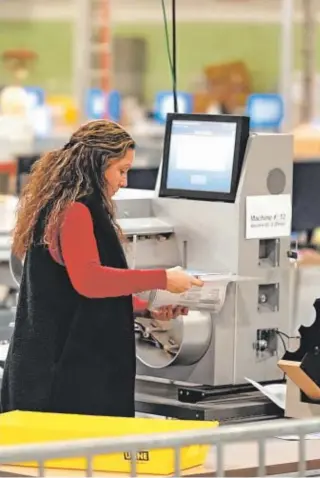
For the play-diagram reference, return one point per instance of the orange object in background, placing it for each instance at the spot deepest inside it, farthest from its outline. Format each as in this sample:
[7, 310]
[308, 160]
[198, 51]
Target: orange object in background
[306, 142]
[229, 81]
[8, 167]
[19, 62]
[202, 101]
[228, 84]
[8, 174]
[105, 41]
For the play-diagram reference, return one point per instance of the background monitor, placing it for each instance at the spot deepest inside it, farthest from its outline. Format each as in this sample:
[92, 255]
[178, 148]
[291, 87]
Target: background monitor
[203, 156]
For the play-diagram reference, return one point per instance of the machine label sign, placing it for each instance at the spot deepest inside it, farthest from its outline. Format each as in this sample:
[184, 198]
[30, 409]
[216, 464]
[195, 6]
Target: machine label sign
[268, 216]
[140, 456]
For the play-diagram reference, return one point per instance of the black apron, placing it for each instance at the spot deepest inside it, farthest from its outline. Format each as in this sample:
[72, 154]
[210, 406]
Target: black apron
[68, 353]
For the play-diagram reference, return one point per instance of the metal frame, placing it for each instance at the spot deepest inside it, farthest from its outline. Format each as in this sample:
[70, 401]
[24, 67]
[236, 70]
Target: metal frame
[218, 437]
[286, 61]
[227, 404]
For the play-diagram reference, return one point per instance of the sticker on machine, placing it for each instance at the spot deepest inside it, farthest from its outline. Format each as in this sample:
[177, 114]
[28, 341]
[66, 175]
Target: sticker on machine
[269, 216]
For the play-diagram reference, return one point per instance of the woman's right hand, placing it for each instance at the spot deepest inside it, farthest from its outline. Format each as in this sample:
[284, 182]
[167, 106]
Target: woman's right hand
[179, 281]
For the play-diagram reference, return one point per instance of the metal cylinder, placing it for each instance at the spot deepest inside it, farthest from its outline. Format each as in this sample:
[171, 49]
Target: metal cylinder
[192, 336]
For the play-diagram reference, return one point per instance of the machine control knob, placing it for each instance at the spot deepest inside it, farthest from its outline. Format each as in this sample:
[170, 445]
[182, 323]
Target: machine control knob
[263, 299]
[292, 255]
[261, 345]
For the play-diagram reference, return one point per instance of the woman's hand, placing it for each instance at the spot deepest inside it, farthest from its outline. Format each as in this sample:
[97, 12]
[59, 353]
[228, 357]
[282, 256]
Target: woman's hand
[179, 281]
[168, 312]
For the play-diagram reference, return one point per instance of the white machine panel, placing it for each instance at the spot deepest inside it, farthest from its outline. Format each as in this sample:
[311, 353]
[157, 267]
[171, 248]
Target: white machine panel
[144, 226]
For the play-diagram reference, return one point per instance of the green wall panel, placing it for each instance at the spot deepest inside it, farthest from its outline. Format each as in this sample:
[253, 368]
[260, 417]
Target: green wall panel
[202, 44]
[52, 41]
[198, 45]
[206, 43]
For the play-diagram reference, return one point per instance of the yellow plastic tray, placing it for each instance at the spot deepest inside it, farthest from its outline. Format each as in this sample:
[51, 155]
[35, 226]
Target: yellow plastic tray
[33, 427]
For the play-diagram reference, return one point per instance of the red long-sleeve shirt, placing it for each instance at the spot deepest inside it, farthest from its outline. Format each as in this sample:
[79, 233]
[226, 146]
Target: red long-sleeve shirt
[81, 258]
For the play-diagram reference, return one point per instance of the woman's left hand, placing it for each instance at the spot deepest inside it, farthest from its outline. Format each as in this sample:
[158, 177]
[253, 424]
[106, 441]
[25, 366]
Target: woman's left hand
[168, 312]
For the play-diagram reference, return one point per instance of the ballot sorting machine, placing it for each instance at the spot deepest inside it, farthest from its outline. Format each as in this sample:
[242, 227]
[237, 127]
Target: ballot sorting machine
[221, 210]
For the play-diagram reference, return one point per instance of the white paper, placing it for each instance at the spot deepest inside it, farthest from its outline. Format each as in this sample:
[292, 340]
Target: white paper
[276, 392]
[268, 216]
[211, 296]
[4, 351]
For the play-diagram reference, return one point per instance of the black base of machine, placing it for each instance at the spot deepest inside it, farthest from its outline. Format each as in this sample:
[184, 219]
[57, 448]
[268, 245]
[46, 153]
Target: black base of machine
[226, 404]
[200, 393]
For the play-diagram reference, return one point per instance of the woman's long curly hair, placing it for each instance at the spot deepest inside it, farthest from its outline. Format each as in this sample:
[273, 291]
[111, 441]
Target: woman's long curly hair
[64, 176]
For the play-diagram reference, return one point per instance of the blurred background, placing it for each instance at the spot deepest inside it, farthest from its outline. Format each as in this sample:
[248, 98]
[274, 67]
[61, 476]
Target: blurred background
[231, 45]
[63, 62]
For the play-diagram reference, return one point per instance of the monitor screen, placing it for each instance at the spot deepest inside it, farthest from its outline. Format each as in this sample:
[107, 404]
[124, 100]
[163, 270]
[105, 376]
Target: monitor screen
[203, 156]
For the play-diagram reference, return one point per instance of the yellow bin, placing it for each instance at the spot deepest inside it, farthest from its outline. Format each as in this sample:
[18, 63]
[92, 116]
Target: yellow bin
[32, 427]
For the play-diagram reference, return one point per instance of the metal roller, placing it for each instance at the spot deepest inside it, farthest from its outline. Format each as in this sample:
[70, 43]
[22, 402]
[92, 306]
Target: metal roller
[182, 341]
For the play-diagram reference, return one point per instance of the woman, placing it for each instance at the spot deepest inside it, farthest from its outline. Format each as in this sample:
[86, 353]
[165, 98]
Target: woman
[73, 346]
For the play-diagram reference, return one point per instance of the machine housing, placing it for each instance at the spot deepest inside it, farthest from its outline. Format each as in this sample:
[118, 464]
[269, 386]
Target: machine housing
[210, 236]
